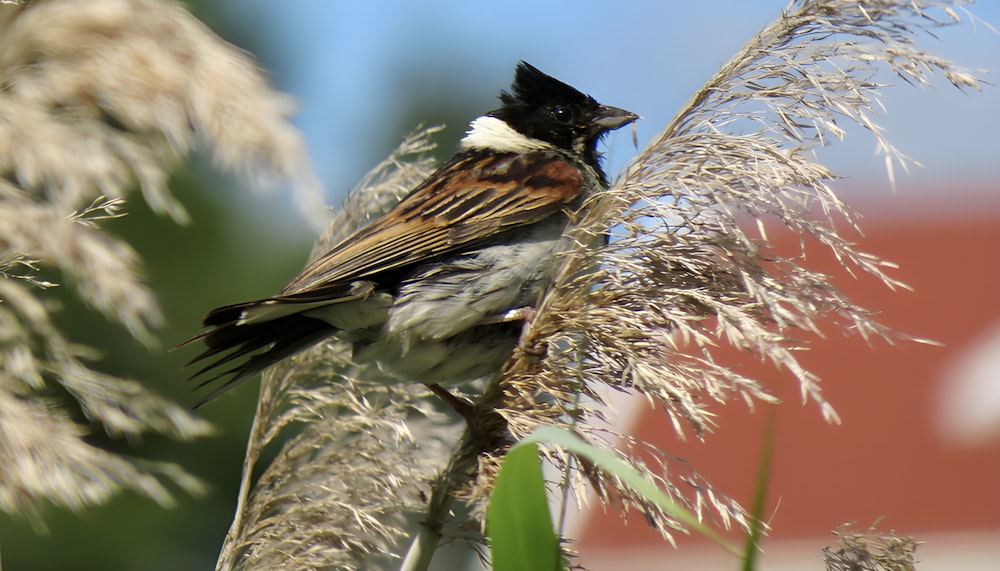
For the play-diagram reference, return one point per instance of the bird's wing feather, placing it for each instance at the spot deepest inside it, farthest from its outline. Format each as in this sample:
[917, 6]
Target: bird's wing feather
[470, 198]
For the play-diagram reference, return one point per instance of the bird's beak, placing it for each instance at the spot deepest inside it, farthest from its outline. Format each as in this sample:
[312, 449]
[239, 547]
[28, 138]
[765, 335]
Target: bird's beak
[611, 118]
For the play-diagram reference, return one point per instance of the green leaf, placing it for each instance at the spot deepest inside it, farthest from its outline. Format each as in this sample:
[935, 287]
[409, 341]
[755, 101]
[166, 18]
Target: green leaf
[518, 521]
[635, 480]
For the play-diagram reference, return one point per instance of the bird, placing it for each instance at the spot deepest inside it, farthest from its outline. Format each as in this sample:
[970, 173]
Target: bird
[437, 289]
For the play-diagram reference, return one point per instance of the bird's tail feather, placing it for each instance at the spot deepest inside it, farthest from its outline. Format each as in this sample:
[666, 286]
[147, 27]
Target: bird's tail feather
[230, 339]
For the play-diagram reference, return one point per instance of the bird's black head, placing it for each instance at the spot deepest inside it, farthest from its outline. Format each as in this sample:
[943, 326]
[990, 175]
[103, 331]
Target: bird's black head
[544, 108]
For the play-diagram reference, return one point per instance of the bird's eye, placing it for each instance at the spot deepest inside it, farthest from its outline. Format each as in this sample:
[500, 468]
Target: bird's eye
[562, 115]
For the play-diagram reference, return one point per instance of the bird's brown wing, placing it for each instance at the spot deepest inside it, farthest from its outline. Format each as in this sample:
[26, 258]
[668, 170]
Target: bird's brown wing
[471, 198]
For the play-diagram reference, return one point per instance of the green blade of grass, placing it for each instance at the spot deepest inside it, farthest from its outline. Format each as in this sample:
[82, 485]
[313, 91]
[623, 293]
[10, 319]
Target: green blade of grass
[615, 466]
[519, 524]
[760, 497]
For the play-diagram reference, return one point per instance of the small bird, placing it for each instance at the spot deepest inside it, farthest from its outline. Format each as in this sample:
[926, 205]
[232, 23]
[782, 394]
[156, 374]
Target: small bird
[436, 290]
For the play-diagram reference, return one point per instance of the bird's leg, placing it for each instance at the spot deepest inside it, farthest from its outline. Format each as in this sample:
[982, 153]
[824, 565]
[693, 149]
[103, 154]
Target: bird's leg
[485, 429]
[525, 314]
[461, 406]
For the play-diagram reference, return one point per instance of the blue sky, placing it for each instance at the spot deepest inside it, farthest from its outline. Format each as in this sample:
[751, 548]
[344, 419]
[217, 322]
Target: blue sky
[346, 63]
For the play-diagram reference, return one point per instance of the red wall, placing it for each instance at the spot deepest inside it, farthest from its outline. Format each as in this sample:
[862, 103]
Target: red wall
[887, 458]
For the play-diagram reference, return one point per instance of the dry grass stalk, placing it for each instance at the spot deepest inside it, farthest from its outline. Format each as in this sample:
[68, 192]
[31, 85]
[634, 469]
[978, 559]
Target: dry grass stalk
[344, 492]
[870, 550]
[100, 98]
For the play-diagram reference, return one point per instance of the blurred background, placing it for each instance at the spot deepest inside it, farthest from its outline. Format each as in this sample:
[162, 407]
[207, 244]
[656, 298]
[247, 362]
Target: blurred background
[919, 443]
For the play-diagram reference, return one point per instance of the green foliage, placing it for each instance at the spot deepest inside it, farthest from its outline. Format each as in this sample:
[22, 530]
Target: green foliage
[518, 521]
[629, 476]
